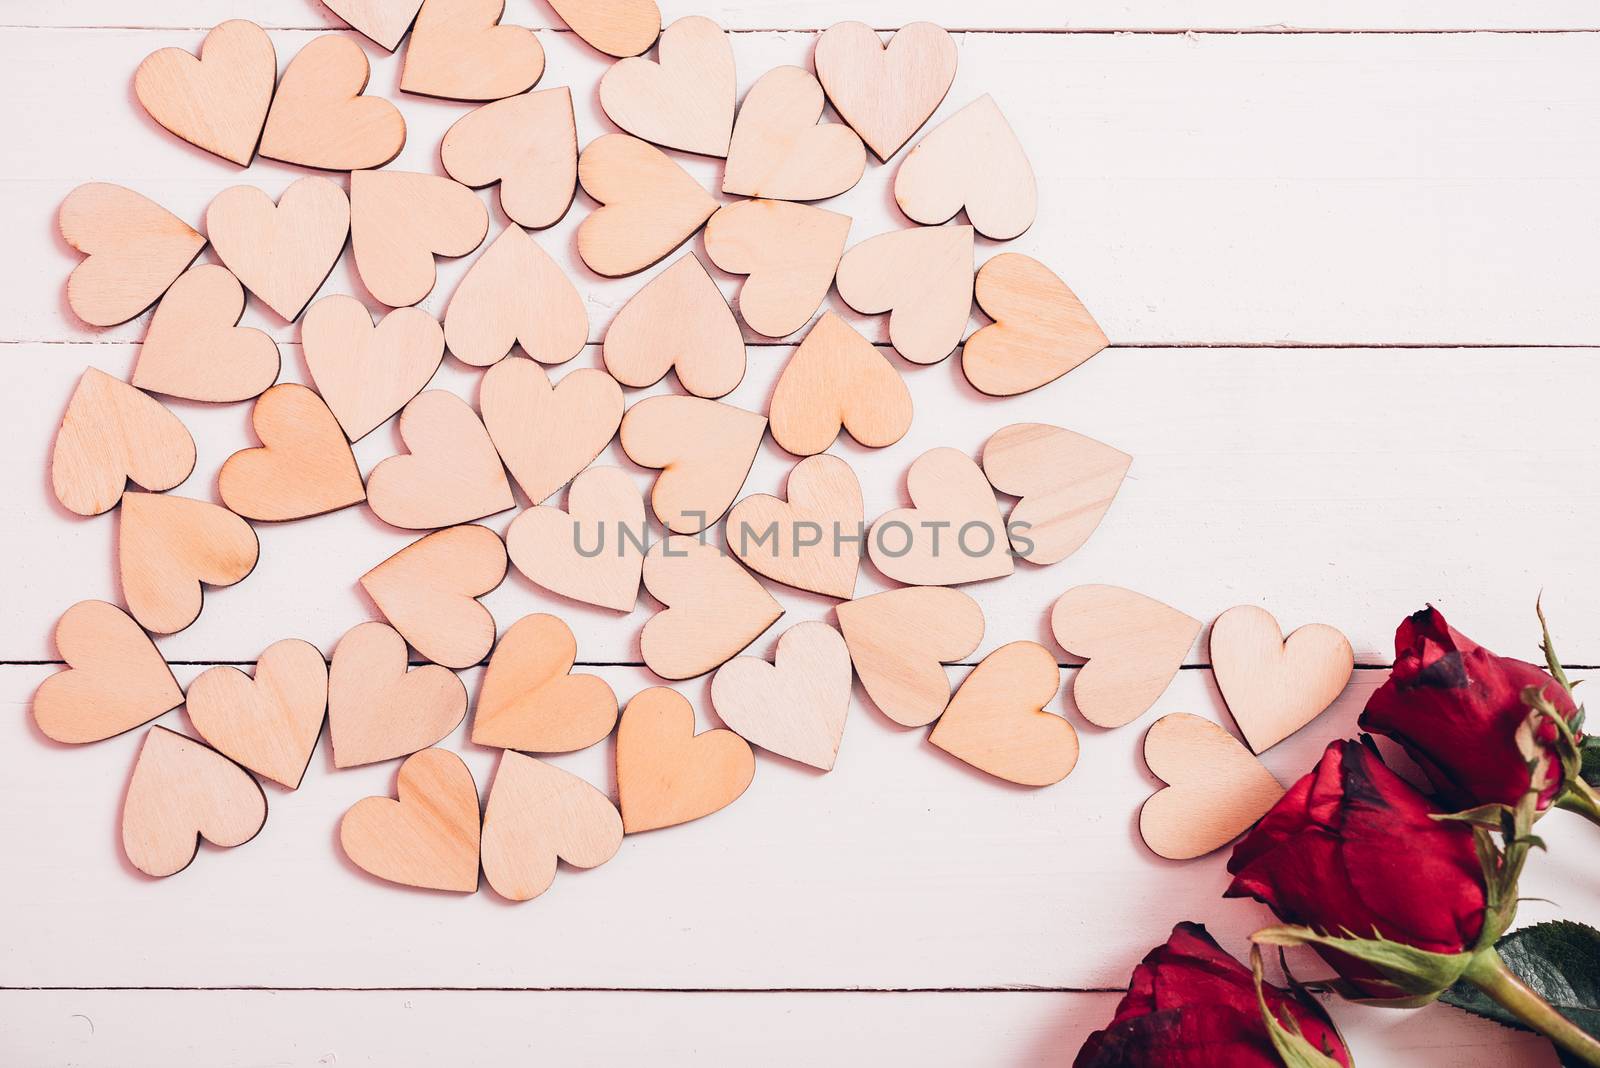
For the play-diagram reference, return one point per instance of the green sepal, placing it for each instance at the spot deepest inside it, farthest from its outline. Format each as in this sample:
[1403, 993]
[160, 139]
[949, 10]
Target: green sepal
[1293, 1048]
[1417, 976]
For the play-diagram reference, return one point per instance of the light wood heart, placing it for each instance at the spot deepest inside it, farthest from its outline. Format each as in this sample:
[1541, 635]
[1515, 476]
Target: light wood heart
[451, 475]
[219, 101]
[428, 590]
[399, 221]
[678, 320]
[837, 380]
[713, 608]
[795, 706]
[666, 773]
[270, 723]
[377, 710]
[971, 160]
[1134, 646]
[195, 348]
[114, 680]
[167, 546]
[899, 642]
[284, 252]
[1217, 788]
[111, 434]
[547, 434]
[1041, 330]
[1273, 685]
[780, 151]
[922, 278]
[319, 117]
[686, 100]
[529, 144]
[304, 466]
[1066, 483]
[367, 373]
[952, 533]
[531, 701]
[427, 835]
[618, 28]
[594, 551]
[133, 250]
[180, 792]
[538, 814]
[704, 450]
[887, 92]
[460, 51]
[812, 540]
[997, 723]
[789, 251]
[383, 22]
[515, 294]
[648, 205]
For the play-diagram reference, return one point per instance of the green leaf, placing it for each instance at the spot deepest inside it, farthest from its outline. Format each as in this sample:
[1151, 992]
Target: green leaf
[1559, 960]
[1591, 760]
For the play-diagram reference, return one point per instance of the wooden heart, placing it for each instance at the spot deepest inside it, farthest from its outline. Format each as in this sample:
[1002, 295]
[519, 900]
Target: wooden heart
[781, 152]
[167, 546]
[133, 250]
[789, 251]
[383, 22]
[181, 792]
[451, 475]
[666, 773]
[812, 541]
[704, 449]
[1066, 482]
[538, 814]
[899, 642]
[885, 93]
[366, 373]
[531, 701]
[459, 51]
[114, 680]
[952, 533]
[546, 434]
[377, 710]
[836, 380]
[971, 160]
[1217, 790]
[1273, 685]
[428, 590]
[616, 27]
[648, 205]
[219, 101]
[1134, 646]
[1041, 330]
[678, 320]
[270, 723]
[281, 253]
[112, 433]
[427, 835]
[515, 294]
[195, 348]
[319, 117]
[399, 221]
[795, 706]
[594, 551]
[997, 723]
[714, 608]
[529, 144]
[304, 466]
[686, 100]
[923, 278]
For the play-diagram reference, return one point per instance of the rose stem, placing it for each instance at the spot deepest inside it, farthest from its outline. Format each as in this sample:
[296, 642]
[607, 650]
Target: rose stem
[1581, 798]
[1489, 973]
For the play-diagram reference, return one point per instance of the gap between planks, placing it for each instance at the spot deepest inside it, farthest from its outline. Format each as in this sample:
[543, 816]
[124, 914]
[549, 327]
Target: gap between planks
[1164, 31]
[1018, 989]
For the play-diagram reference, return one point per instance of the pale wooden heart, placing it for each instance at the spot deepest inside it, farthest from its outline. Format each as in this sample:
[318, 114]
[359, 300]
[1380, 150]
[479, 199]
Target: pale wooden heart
[270, 723]
[459, 51]
[971, 160]
[319, 117]
[666, 773]
[167, 546]
[1273, 685]
[1134, 646]
[426, 838]
[678, 320]
[899, 642]
[114, 680]
[451, 475]
[837, 380]
[1065, 481]
[648, 205]
[383, 22]
[219, 101]
[789, 251]
[780, 151]
[594, 551]
[531, 701]
[618, 28]
[377, 710]
[366, 373]
[515, 294]
[133, 250]
[428, 590]
[180, 792]
[997, 723]
[713, 608]
[887, 92]
[546, 434]
[1041, 330]
[399, 221]
[304, 466]
[704, 450]
[1217, 788]
[113, 433]
[795, 706]
[922, 278]
[812, 540]
[529, 144]
[282, 253]
[195, 348]
[686, 100]
[538, 814]
[910, 545]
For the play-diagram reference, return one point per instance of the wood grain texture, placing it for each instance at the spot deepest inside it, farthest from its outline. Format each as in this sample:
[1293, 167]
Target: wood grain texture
[367, 372]
[320, 117]
[113, 680]
[711, 608]
[180, 792]
[837, 381]
[282, 252]
[922, 277]
[1041, 330]
[459, 50]
[789, 251]
[1276, 685]
[885, 91]
[531, 701]
[972, 161]
[703, 449]
[1133, 645]
[217, 99]
[678, 321]
[615, 27]
[169, 547]
[796, 705]
[427, 835]
[594, 550]
[1064, 482]
[1217, 788]
[383, 22]
[685, 98]
[899, 642]
[997, 720]
[195, 348]
[780, 151]
[400, 220]
[133, 250]
[649, 205]
[528, 144]
[537, 814]
[811, 540]
[666, 773]
[113, 434]
[303, 466]
[269, 723]
[377, 709]
[547, 434]
[951, 534]
[515, 294]
[429, 591]
[451, 473]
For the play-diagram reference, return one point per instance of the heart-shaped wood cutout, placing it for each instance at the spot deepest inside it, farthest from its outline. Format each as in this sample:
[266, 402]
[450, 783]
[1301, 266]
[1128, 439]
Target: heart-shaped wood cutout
[594, 551]
[304, 465]
[618, 28]
[1274, 685]
[113, 433]
[704, 449]
[366, 373]
[538, 814]
[219, 101]
[377, 710]
[383, 22]
[837, 380]
[529, 144]
[780, 151]
[546, 434]
[812, 541]
[167, 546]
[428, 590]
[531, 701]
[1134, 646]
[648, 205]
[885, 93]
[971, 160]
[284, 252]
[686, 100]
[789, 251]
[114, 680]
[270, 723]
[399, 221]
[900, 641]
[666, 773]
[428, 837]
[195, 348]
[952, 533]
[1041, 330]
[795, 706]
[515, 294]
[459, 51]
[1066, 482]
[1217, 788]
[714, 608]
[678, 320]
[133, 250]
[319, 117]
[997, 723]
[181, 792]
[923, 278]
[451, 475]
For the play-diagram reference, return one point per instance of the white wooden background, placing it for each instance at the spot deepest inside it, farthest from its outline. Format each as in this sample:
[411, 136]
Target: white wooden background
[1348, 256]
